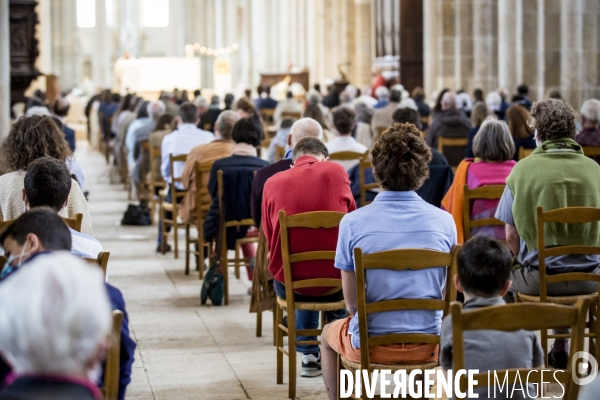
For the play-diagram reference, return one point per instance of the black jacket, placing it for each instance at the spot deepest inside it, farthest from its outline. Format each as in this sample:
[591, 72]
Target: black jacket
[238, 174]
[38, 388]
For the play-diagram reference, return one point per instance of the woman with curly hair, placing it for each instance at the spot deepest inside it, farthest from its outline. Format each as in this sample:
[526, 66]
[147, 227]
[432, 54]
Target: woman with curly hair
[29, 139]
[398, 218]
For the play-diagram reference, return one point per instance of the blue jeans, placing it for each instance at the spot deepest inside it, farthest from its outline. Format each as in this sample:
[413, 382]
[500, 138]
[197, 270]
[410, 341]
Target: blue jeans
[310, 319]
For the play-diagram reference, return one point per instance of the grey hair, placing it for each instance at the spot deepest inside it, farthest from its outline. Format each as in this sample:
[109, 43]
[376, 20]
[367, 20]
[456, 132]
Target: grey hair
[305, 127]
[156, 109]
[493, 141]
[225, 122]
[590, 110]
[382, 91]
[313, 97]
[215, 99]
[449, 100]
[309, 146]
[54, 316]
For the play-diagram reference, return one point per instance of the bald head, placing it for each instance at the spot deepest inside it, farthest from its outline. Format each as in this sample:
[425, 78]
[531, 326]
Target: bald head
[449, 101]
[302, 128]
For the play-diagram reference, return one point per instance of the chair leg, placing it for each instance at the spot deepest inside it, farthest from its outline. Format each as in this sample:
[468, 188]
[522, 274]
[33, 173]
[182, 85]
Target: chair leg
[237, 261]
[279, 343]
[292, 337]
[163, 235]
[259, 324]
[175, 236]
[544, 337]
[187, 249]
[225, 270]
[275, 325]
[595, 325]
[339, 368]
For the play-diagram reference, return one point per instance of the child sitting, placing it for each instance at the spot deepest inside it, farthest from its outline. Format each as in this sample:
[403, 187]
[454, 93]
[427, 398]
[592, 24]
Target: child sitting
[484, 266]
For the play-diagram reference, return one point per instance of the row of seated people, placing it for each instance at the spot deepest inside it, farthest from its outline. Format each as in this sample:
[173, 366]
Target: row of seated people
[34, 196]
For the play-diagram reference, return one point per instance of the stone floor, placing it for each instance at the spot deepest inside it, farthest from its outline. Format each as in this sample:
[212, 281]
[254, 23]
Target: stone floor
[185, 351]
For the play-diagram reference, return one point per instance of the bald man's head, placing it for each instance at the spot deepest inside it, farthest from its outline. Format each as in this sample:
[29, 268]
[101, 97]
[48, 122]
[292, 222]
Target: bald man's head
[449, 101]
[302, 128]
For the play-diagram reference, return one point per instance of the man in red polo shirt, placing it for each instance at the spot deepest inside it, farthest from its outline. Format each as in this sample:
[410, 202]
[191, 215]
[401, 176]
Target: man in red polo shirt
[312, 184]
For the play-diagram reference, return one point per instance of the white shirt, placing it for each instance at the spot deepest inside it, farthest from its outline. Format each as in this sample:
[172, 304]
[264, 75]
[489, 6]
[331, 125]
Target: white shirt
[345, 143]
[84, 245]
[179, 142]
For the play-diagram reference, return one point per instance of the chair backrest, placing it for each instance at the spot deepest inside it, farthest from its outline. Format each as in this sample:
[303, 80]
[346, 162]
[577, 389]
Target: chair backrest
[523, 152]
[175, 194]
[74, 223]
[113, 359]
[567, 215]
[207, 126]
[363, 165]
[155, 155]
[380, 131]
[202, 195]
[267, 114]
[310, 220]
[513, 317]
[347, 155]
[290, 114]
[591, 151]
[279, 152]
[101, 261]
[400, 260]
[490, 192]
[451, 142]
[145, 148]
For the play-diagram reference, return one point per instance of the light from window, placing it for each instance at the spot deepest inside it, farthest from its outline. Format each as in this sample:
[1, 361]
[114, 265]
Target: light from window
[155, 13]
[86, 13]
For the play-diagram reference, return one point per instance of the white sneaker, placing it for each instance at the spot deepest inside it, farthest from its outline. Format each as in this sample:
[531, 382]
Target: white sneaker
[311, 366]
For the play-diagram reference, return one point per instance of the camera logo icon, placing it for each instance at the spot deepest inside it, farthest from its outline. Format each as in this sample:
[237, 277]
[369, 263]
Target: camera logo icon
[584, 362]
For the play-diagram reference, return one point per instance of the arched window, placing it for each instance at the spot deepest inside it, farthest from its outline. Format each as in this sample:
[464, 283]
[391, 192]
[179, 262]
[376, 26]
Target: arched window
[155, 13]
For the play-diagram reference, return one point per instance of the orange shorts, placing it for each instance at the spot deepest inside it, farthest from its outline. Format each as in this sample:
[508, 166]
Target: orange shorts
[406, 353]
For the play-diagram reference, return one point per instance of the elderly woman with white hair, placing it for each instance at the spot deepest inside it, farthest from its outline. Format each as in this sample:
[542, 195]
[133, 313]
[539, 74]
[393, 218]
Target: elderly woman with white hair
[589, 135]
[56, 320]
[493, 147]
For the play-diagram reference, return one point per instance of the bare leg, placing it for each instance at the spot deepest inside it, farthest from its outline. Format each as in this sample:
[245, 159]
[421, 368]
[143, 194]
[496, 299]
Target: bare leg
[329, 366]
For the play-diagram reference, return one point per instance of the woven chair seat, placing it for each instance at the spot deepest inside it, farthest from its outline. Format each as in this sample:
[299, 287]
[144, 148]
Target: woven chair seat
[338, 305]
[394, 367]
[565, 300]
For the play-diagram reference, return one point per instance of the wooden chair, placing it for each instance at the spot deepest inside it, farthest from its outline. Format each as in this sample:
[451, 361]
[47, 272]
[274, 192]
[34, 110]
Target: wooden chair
[398, 260]
[512, 317]
[267, 115]
[144, 178]
[279, 152]
[207, 126]
[173, 207]
[110, 391]
[451, 142]
[568, 215]
[490, 192]
[203, 201]
[591, 151]
[237, 261]
[2, 262]
[347, 155]
[380, 131]
[363, 165]
[523, 152]
[101, 260]
[293, 115]
[311, 220]
[155, 183]
[124, 171]
[74, 223]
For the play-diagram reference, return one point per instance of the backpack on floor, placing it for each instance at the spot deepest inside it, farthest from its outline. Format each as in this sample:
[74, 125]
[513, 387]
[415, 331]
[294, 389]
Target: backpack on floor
[137, 215]
[213, 286]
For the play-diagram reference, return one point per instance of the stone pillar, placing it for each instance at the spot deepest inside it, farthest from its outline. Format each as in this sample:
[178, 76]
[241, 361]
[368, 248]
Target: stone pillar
[447, 64]
[362, 39]
[485, 45]
[591, 49]
[508, 41]
[66, 48]
[4, 69]
[432, 54]
[176, 29]
[102, 66]
[571, 60]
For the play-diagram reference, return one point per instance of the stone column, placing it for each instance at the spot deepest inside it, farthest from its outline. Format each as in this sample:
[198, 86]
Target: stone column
[102, 68]
[485, 45]
[362, 50]
[4, 69]
[591, 49]
[507, 43]
[431, 51]
[571, 60]
[176, 29]
[66, 48]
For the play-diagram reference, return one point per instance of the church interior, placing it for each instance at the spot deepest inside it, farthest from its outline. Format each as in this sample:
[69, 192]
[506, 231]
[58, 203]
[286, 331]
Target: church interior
[284, 195]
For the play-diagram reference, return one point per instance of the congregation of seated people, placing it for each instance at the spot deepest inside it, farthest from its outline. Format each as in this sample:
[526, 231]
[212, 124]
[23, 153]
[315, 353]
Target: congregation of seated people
[296, 154]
